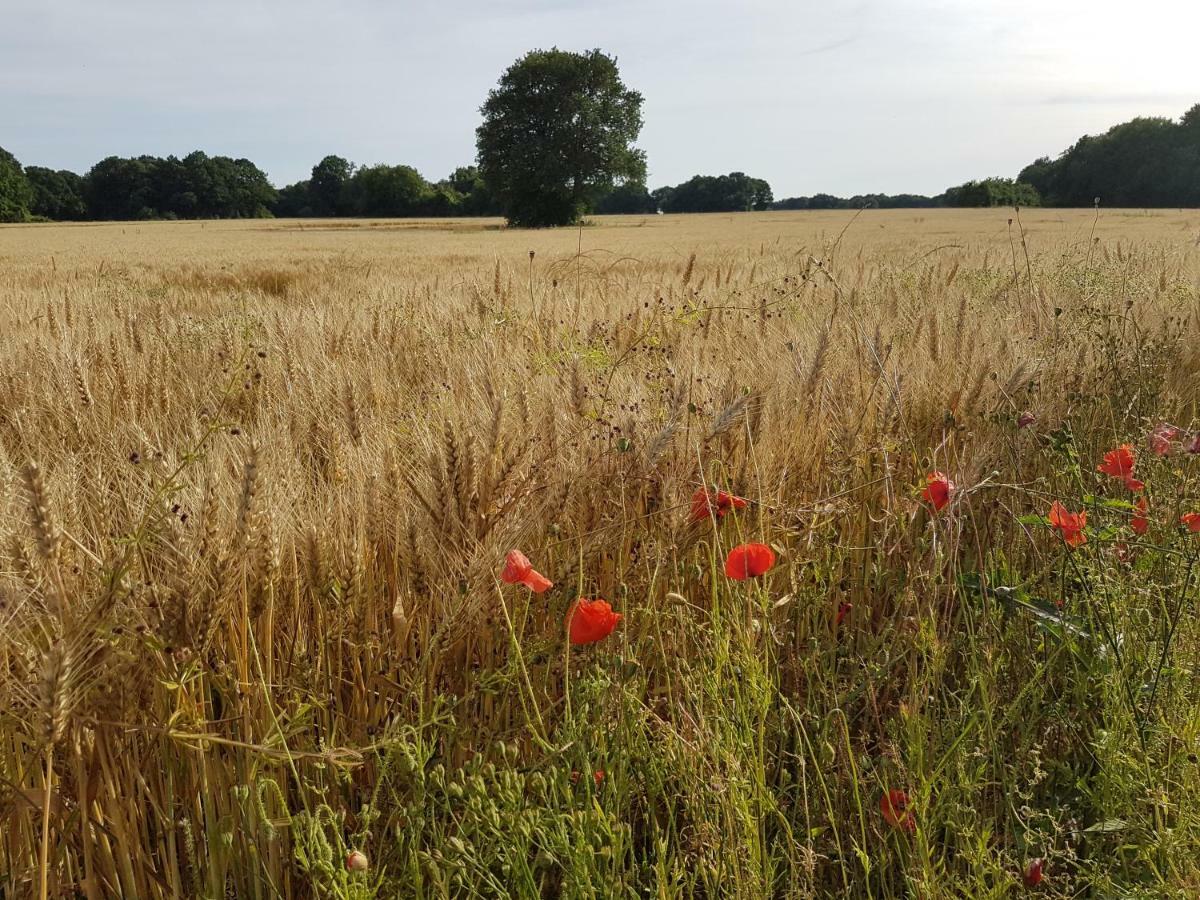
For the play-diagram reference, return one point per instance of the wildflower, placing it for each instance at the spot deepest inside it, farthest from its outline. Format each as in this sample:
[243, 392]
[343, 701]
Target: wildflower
[894, 807]
[843, 611]
[1141, 519]
[597, 776]
[1191, 520]
[1069, 524]
[591, 620]
[1032, 876]
[1025, 419]
[749, 561]
[938, 489]
[356, 861]
[716, 503]
[1119, 463]
[1193, 443]
[1161, 437]
[518, 570]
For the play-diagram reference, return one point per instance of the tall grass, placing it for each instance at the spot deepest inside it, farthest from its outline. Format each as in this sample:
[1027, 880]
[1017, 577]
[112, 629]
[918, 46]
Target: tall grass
[254, 506]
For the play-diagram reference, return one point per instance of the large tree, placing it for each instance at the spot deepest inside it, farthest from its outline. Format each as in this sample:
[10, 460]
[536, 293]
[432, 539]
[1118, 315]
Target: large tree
[328, 186]
[16, 194]
[557, 134]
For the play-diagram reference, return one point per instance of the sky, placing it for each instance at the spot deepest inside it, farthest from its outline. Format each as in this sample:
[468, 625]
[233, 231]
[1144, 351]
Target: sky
[836, 96]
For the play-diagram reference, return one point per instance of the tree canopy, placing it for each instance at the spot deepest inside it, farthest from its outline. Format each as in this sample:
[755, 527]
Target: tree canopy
[557, 135]
[735, 192]
[16, 194]
[1143, 162]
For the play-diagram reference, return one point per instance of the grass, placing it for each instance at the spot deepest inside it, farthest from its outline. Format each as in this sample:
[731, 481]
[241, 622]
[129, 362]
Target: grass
[257, 484]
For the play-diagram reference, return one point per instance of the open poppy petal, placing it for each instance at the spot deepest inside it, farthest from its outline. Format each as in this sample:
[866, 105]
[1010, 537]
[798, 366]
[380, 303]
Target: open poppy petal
[518, 570]
[1068, 524]
[516, 567]
[706, 503]
[893, 805]
[1191, 521]
[589, 621]
[1141, 520]
[938, 490]
[749, 561]
[537, 582]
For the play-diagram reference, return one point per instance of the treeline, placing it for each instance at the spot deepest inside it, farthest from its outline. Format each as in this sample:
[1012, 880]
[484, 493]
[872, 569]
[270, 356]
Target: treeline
[1144, 162]
[1147, 162]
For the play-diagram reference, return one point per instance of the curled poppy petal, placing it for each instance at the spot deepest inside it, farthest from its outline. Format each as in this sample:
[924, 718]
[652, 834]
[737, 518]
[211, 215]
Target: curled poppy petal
[518, 570]
[893, 805]
[842, 612]
[589, 621]
[1191, 521]
[706, 503]
[938, 489]
[749, 561]
[1068, 524]
[1025, 419]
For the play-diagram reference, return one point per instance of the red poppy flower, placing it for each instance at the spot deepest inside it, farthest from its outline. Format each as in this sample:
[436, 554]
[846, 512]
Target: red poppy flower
[1191, 520]
[716, 503]
[1141, 519]
[938, 489]
[843, 611]
[749, 561]
[894, 807]
[1070, 525]
[1119, 463]
[1032, 876]
[591, 620]
[518, 570]
[1161, 437]
[1193, 443]
[597, 776]
[1025, 419]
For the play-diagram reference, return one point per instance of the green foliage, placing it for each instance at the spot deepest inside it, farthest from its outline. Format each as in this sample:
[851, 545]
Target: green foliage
[557, 134]
[195, 187]
[859, 201]
[735, 192]
[1149, 162]
[16, 194]
[387, 191]
[56, 195]
[329, 186]
[630, 198]
[992, 192]
[295, 201]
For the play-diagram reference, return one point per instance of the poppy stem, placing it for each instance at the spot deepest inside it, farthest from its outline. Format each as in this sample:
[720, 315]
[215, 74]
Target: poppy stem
[539, 735]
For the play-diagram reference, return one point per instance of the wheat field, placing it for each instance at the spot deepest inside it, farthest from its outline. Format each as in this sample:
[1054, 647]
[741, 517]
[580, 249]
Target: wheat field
[258, 481]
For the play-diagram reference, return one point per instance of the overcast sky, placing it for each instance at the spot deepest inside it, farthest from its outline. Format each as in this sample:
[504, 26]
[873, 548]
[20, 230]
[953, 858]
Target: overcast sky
[843, 96]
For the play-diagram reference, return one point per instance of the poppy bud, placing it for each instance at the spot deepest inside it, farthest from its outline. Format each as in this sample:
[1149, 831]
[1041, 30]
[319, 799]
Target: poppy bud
[1033, 873]
[356, 861]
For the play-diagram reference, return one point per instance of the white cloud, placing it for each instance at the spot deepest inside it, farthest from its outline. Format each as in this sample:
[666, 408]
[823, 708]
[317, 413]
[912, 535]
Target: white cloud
[889, 95]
